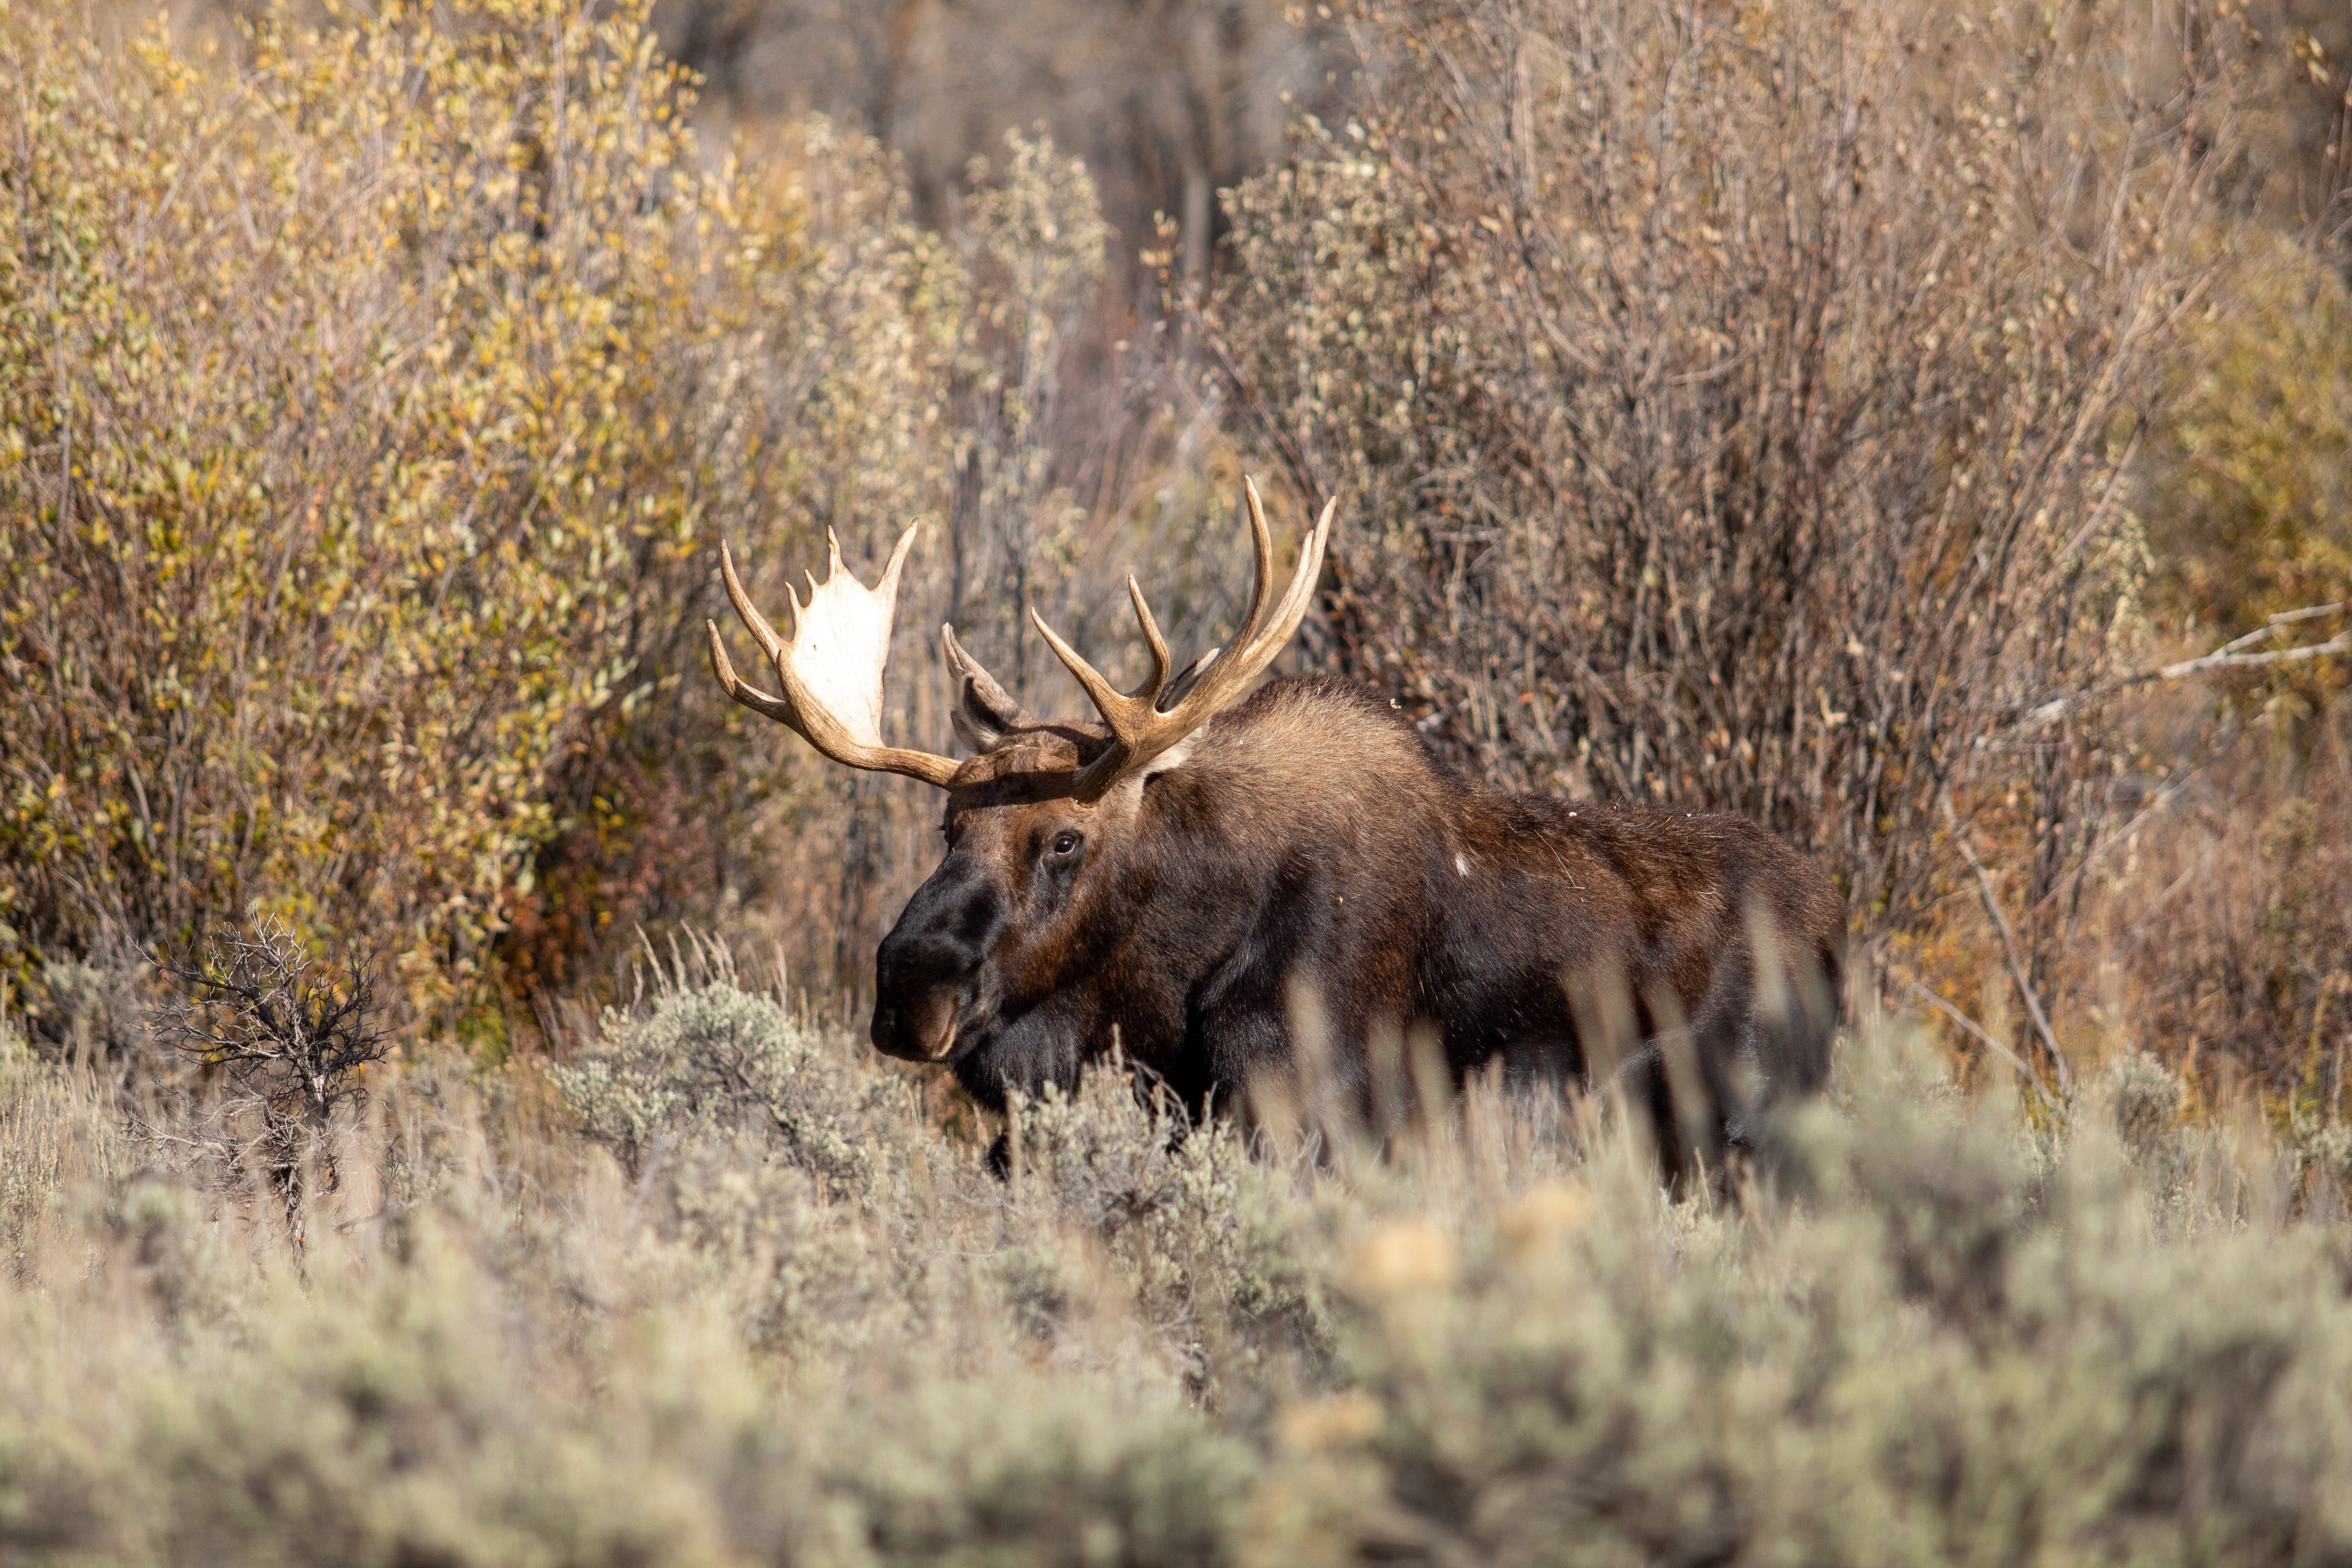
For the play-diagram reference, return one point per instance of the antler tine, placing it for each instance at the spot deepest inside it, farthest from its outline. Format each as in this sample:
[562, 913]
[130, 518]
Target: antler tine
[741, 690]
[830, 668]
[888, 586]
[1138, 731]
[1160, 660]
[1241, 663]
[1293, 608]
[1108, 698]
[745, 611]
[1262, 563]
[975, 683]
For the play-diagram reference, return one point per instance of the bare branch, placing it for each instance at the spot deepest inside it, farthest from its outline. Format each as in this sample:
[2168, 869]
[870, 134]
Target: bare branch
[1978, 1033]
[2223, 658]
[2011, 949]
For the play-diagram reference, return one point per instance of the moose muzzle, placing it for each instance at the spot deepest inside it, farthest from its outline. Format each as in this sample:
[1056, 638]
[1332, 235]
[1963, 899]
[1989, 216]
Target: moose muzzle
[927, 971]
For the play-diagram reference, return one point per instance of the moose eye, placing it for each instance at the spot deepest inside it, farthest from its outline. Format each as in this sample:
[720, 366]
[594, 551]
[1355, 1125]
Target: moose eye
[1065, 843]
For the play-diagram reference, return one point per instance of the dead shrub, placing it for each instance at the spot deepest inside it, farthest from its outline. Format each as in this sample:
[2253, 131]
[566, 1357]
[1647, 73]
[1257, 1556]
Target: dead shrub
[292, 1040]
[1734, 407]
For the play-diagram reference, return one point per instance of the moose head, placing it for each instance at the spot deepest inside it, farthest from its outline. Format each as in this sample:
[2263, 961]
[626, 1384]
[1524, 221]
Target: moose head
[1049, 859]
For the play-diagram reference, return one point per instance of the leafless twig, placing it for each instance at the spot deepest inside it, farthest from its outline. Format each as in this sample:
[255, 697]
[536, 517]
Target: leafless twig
[2228, 656]
[2010, 948]
[1978, 1033]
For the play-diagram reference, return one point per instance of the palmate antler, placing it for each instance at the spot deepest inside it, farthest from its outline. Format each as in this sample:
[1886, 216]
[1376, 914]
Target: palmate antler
[831, 670]
[1139, 731]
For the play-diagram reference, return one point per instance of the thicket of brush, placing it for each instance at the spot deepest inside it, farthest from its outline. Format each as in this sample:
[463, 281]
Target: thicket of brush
[759, 1307]
[1828, 413]
[1733, 409]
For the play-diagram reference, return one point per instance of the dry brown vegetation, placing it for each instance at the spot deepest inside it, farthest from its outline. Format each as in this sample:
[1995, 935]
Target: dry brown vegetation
[1734, 410]
[1815, 412]
[1842, 414]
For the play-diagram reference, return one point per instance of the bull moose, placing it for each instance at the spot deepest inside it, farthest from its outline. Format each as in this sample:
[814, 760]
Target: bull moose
[1212, 872]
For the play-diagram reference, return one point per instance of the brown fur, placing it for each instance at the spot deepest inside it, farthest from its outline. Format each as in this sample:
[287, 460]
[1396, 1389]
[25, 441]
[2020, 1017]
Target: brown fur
[1304, 850]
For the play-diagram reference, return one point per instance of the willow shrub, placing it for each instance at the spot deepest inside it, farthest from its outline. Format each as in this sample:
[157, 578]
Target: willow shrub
[2251, 499]
[325, 464]
[368, 407]
[2225, 916]
[1729, 404]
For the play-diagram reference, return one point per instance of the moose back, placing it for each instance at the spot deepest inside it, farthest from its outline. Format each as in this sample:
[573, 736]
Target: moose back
[1211, 872]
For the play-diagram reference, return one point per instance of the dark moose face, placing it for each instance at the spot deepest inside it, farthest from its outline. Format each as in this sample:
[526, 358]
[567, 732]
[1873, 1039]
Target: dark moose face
[1002, 921]
[1027, 895]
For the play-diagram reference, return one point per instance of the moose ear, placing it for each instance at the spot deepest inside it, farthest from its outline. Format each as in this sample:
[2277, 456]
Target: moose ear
[984, 713]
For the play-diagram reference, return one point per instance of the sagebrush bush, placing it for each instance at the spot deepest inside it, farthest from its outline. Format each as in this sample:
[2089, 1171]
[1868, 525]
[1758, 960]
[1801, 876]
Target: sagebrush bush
[759, 1134]
[1909, 1377]
[1189, 1222]
[1942, 1330]
[712, 1061]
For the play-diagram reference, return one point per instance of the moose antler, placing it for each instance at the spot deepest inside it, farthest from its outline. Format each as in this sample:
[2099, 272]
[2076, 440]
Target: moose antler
[1139, 731]
[831, 670]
